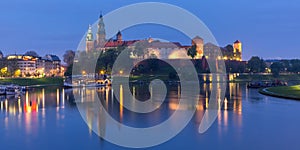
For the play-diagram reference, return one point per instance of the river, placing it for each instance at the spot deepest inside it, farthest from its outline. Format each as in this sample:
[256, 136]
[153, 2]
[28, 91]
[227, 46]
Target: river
[49, 118]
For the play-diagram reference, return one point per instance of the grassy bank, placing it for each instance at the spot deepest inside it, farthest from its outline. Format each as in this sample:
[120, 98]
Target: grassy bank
[290, 92]
[241, 78]
[33, 81]
[259, 77]
[149, 77]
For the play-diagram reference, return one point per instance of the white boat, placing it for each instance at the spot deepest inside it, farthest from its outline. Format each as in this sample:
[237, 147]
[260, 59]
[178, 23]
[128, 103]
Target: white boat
[103, 82]
[98, 83]
[70, 85]
[2, 90]
[10, 90]
[13, 89]
[23, 89]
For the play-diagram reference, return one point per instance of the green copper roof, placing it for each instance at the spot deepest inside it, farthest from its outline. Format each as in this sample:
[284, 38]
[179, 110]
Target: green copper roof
[89, 36]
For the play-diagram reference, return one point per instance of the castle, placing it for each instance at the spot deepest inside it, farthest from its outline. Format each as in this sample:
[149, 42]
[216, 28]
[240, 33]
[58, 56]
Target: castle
[161, 50]
[101, 43]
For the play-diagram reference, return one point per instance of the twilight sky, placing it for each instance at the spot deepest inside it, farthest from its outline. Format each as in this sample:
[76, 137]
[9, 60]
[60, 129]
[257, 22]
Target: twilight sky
[269, 29]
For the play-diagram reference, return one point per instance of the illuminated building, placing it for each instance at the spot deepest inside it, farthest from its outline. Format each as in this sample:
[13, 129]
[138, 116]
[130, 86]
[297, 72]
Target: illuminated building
[237, 50]
[101, 34]
[198, 41]
[211, 50]
[26, 64]
[234, 54]
[101, 43]
[90, 40]
[35, 66]
[52, 65]
[158, 49]
[165, 50]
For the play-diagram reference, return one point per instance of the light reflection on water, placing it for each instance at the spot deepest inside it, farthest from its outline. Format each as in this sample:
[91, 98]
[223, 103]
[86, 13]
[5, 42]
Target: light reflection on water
[33, 101]
[40, 98]
[44, 111]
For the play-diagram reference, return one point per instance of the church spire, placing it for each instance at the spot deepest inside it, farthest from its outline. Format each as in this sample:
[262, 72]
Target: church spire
[101, 16]
[89, 40]
[101, 34]
[119, 36]
[101, 26]
[89, 36]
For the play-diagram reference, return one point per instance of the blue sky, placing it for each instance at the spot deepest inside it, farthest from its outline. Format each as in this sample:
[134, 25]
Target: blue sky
[269, 29]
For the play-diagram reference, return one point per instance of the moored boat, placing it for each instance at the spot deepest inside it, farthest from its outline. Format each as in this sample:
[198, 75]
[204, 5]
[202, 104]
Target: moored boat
[265, 84]
[68, 83]
[2, 90]
[10, 90]
[103, 82]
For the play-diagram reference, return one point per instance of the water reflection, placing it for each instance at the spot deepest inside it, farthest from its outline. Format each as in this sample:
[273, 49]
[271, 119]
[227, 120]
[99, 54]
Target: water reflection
[95, 116]
[28, 110]
[43, 116]
[35, 102]
[121, 103]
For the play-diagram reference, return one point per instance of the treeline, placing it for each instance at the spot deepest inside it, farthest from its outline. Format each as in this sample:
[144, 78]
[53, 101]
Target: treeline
[84, 62]
[258, 65]
[106, 59]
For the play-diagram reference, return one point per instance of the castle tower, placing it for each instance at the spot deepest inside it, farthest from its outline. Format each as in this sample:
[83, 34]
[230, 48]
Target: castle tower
[89, 40]
[150, 40]
[237, 50]
[119, 36]
[198, 41]
[101, 34]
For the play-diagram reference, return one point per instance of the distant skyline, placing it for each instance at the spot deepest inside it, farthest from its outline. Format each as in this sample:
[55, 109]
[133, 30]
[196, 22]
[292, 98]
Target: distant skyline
[268, 29]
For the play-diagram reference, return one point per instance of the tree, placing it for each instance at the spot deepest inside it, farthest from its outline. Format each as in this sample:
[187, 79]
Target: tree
[107, 59]
[1, 55]
[3, 72]
[3, 63]
[153, 64]
[17, 73]
[69, 70]
[228, 51]
[286, 65]
[12, 66]
[256, 65]
[32, 53]
[295, 63]
[192, 51]
[68, 57]
[86, 62]
[276, 68]
[229, 48]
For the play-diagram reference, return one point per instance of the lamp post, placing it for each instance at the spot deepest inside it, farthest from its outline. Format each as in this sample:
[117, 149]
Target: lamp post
[83, 72]
[121, 72]
[102, 72]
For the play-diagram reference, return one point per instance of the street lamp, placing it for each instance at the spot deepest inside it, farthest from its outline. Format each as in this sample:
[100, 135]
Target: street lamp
[121, 72]
[102, 72]
[83, 72]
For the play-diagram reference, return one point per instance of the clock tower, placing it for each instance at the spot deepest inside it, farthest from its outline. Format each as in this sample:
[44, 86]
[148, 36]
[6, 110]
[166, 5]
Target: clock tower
[89, 40]
[101, 34]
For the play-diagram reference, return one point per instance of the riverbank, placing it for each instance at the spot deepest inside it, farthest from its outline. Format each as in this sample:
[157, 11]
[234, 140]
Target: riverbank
[55, 81]
[266, 77]
[288, 92]
[236, 79]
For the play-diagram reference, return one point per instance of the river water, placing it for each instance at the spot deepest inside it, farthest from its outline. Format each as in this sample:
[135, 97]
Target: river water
[48, 118]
